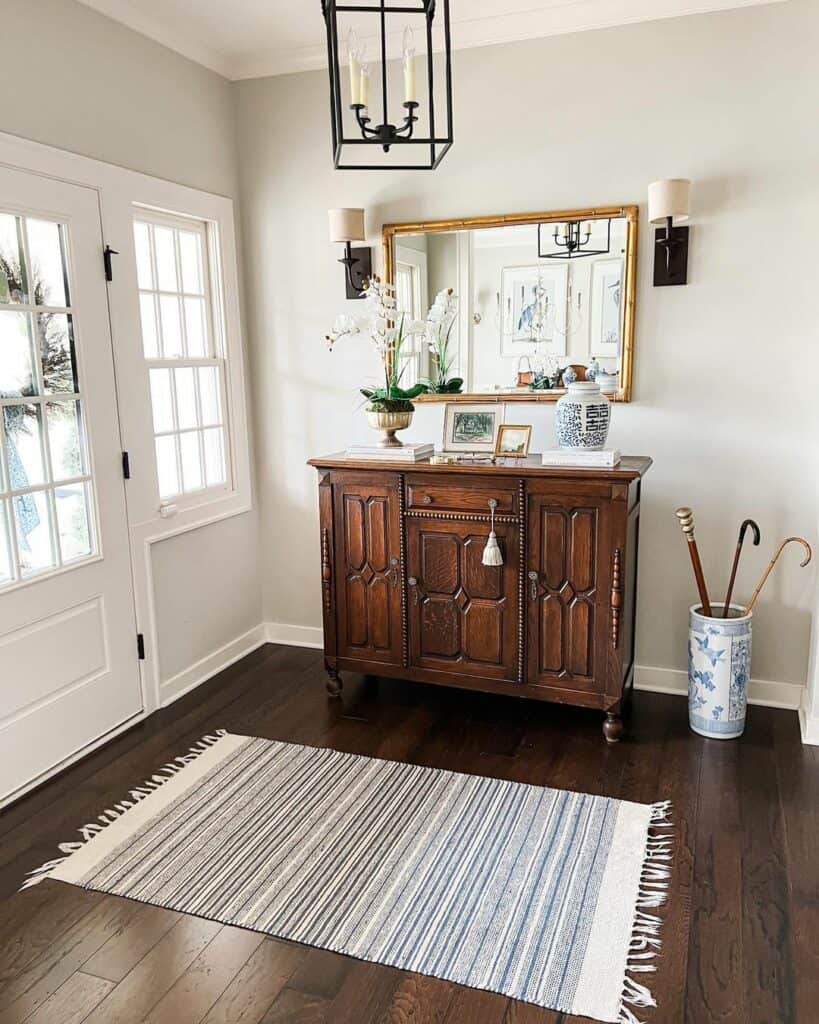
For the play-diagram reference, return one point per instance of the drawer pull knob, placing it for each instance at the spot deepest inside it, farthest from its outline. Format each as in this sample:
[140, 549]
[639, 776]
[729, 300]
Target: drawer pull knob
[427, 499]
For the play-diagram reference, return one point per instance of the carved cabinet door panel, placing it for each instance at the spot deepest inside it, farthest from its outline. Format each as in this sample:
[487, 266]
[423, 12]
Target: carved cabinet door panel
[462, 614]
[568, 591]
[367, 569]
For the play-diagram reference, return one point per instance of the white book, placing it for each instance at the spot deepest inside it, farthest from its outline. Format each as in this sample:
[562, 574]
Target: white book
[407, 453]
[605, 459]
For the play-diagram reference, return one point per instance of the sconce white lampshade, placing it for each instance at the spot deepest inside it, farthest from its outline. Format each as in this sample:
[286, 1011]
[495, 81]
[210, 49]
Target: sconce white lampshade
[347, 225]
[669, 198]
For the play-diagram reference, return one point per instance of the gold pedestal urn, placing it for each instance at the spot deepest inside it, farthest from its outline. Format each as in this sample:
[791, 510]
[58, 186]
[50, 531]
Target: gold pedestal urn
[389, 423]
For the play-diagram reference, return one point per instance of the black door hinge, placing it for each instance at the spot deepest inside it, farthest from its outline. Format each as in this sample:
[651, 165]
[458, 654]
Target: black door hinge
[107, 253]
[140, 647]
[126, 466]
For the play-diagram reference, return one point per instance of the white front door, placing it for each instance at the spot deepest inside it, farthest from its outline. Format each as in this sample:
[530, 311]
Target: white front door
[69, 671]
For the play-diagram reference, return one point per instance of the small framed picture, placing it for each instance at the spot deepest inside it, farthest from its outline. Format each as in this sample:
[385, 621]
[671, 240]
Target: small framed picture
[513, 441]
[472, 427]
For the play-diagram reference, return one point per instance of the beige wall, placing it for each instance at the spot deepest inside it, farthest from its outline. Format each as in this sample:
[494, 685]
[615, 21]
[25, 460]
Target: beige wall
[725, 392]
[74, 79]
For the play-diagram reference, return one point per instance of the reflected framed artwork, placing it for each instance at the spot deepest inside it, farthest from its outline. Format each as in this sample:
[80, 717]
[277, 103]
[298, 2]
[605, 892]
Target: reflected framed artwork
[606, 308]
[472, 427]
[533, 308]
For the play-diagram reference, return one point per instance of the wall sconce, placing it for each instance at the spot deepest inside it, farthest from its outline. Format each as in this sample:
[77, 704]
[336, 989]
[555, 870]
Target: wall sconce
[668, 199]
[347, 225]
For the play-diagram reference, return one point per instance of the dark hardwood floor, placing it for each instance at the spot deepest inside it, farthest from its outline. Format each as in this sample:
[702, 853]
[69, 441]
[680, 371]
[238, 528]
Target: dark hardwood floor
[741, 932]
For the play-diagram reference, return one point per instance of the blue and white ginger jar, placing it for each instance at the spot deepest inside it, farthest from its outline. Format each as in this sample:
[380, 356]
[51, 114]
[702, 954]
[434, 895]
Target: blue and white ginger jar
[582, 417]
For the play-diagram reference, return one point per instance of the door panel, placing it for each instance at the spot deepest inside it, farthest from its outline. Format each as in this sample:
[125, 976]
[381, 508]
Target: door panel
[68, 664]
[367, 560]
[567, 591]
[462, 614]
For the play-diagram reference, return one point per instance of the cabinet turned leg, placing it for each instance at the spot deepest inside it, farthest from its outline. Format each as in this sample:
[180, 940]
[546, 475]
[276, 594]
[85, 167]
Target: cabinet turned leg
[334, 684]
[613, 728]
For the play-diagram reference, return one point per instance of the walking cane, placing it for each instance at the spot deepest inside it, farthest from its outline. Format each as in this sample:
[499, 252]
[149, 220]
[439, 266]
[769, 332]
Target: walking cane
[772, 563]
[746, 523]
[686, 518]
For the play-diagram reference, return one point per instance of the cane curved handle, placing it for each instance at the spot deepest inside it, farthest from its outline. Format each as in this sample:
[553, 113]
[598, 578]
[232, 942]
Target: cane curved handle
[746, 524]
[796, 540]
[772, 563]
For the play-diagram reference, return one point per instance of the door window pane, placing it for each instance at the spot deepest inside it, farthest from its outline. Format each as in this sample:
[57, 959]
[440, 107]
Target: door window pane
[6, 574]
[171, 326]
[73, 527]
[13, 277]
[64, 434]
[167, 471]
[24, 448]
[191, 461]
[55, 337]
[45, 521]
[161, 400]
[165, 259]
[46, 251]
[32, 516]
[17, 376]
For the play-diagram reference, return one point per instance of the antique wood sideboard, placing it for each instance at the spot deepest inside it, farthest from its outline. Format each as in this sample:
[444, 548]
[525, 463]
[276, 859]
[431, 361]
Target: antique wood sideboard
[405, 593]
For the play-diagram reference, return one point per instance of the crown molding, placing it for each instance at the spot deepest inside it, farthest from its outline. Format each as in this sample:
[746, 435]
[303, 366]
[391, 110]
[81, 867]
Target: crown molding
[560, 17]
[157, 30]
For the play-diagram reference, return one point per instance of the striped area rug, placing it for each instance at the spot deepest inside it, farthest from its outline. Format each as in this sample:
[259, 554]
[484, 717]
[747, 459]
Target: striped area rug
[539, 894]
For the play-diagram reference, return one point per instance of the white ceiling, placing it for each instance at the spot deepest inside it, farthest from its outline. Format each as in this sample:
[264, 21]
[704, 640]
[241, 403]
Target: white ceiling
[254, 38]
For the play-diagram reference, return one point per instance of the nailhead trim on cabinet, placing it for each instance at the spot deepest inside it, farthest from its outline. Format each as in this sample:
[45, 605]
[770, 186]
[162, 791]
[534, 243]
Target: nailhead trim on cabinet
[616, 598]
[465, 517]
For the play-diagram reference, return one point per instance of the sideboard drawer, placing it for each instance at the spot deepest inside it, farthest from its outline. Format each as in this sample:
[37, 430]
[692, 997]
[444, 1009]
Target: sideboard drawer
[431, 494]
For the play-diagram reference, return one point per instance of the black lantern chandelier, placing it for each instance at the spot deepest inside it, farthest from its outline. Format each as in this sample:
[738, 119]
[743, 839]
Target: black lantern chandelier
[394, 112]
[570, 244]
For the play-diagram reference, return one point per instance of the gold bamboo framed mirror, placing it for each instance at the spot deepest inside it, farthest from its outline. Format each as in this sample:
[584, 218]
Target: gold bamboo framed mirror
[541, 297]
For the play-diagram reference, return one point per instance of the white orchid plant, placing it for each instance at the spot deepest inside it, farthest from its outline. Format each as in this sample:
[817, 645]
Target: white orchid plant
[438, 329]
[391, 333]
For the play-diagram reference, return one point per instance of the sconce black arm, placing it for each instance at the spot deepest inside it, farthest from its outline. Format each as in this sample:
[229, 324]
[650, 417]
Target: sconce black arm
[358, 270]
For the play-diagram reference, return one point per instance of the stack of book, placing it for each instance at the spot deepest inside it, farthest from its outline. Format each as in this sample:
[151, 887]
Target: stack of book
[607, 458]
[408, 452]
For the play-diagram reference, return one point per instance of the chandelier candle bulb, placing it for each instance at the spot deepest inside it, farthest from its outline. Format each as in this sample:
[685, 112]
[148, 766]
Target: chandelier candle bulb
[355, 68]
[364, 94]
[409, 66]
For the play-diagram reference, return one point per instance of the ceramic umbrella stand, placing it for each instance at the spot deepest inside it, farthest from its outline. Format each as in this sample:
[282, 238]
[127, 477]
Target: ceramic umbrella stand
[719, 667]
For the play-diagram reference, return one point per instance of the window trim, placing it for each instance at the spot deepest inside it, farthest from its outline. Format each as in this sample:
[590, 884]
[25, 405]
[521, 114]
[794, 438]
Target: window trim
[212, 294]
[119, 190]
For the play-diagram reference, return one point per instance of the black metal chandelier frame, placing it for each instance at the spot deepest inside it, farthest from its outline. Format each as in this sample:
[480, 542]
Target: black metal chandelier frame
[573, 246]
[386, 135]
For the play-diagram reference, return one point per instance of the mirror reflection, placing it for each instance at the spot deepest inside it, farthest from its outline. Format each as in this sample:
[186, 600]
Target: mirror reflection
[540, 303]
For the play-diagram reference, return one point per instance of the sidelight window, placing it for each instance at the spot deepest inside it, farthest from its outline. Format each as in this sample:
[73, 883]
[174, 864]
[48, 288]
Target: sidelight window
[183, 346]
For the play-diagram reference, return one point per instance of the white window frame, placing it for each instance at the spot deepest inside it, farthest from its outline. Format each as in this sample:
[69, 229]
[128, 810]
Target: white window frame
[217, 335]
[151, 522]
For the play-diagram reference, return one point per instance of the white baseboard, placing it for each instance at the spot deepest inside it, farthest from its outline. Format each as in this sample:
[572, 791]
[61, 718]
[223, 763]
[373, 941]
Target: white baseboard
[658, 680]
[294, 636]
[760, 691]
[175, 687]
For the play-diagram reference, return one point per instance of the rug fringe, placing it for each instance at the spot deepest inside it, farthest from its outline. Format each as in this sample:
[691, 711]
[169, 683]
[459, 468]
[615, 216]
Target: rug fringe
[111, 814]
[645, 944]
